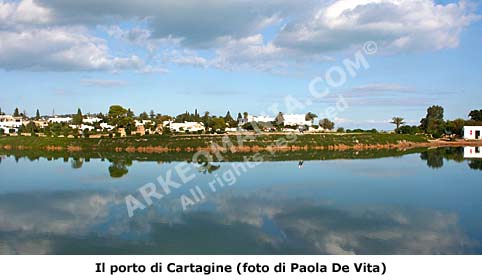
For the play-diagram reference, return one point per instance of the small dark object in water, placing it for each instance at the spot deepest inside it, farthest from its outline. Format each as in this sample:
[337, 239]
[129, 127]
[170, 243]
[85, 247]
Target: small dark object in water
[300, 164]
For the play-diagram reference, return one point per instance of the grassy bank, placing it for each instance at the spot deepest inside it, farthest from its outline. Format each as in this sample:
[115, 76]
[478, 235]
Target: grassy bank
[190, 143]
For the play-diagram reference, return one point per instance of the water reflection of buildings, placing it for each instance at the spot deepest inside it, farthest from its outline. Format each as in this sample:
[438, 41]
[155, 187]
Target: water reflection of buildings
[473, 152]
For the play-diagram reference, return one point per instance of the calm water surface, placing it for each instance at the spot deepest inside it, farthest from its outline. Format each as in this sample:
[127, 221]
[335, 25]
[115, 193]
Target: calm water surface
[423, 203]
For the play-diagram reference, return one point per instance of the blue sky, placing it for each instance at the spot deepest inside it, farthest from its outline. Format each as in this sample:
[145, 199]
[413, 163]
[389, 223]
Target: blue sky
[240, 55]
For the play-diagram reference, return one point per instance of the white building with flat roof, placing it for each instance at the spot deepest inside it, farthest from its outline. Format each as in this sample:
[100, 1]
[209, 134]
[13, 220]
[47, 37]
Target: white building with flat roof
[260, 118]
[106, 126]
[11, 123]
[296, 120]
[91, 120]
[60, 120]
[473, 132]
[191, 127]
[143, 122]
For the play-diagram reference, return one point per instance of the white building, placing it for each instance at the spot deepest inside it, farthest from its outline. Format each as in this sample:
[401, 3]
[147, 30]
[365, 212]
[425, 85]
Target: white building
[260, 118]
[91, 120]
[231, 130]
[106, 126]
[10, 123]
[472, 132]
[60, 120]
[143, 122]
[41, 123]
[296, 120]
[187, 127]
[473, 152]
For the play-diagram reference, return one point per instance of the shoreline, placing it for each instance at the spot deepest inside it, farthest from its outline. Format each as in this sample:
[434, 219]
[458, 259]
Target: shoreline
[262, 143]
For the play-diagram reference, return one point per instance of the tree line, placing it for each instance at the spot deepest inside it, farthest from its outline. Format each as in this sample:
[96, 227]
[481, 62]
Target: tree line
[435, 125]
[121, 117]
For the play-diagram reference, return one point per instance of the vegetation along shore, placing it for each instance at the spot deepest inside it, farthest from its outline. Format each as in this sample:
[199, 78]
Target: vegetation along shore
[120, 130]
[233, 143]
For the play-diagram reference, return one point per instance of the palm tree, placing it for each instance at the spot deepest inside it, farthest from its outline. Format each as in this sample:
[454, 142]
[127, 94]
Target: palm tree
[310, 117]
[397, 121]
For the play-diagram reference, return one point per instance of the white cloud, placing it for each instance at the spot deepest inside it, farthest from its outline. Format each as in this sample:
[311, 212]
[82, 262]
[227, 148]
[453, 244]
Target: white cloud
[142, 37]
[250, 51]
[396, 25]
[23, 12]
[148, 69]
[30, 12]
[185, 57]
[383, 87]
[30, 40]
[104, 83]
[256, 52]
[60, 49]
[198, 23]
[234, 32]
[61, 215]
[327, 230]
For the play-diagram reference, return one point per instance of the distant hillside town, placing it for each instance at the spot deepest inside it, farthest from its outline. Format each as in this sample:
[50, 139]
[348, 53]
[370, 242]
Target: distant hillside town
[122, 122]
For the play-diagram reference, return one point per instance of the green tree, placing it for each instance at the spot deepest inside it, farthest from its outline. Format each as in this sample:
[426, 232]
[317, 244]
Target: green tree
[433, 123]
[16, 113]
[218, 124]
[455, 126]
[37, 115]
[206, 119]
[186, 116]
[228, 117]
[279, 120]
[197, 117]
[160, 118]
[143, 116]
[120, 117]
[152, 114]
[1, 113]
[327, 124]
[407, 129]
[310, 117]
[229, 120]
[476, 115]
[130, 113]
[78, 118]
[30, 128]
[398, 121]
